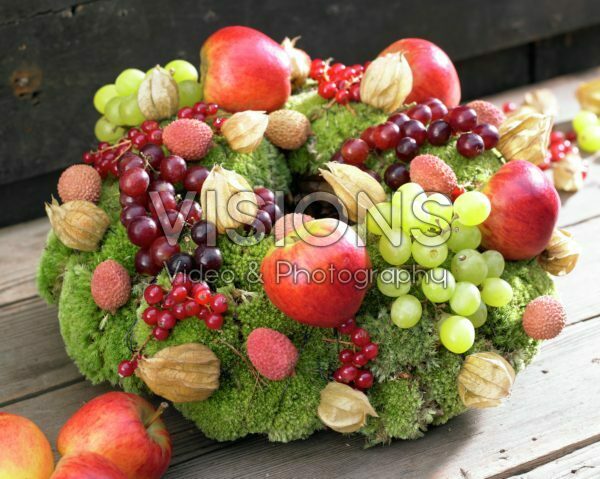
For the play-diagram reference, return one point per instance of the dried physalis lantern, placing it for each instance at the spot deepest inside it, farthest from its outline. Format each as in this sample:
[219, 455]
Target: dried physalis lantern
[78, 224]
[158, 96]
[299, 61]
[569, 173]
[355, 188]
[561, 255]
[588, 95]
[244, 131]
[525, 136]
[185, 373]
[387, 82]
[343, 408]
[541, 101]
[484, 380]
[227, 199]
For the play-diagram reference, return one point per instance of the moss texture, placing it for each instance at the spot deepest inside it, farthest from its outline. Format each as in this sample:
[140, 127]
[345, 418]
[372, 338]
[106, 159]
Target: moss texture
[415, 376]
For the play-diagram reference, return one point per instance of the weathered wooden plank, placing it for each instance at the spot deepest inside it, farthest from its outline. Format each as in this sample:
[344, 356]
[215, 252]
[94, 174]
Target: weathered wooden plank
[583, 463]
[21, 248]
[32, 352]
[548, 411]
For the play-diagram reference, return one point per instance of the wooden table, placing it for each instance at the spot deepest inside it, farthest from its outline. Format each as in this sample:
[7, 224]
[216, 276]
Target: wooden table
[549, 428]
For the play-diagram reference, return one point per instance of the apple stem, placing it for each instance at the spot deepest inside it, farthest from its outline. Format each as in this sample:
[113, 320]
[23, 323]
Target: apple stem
[156, 415]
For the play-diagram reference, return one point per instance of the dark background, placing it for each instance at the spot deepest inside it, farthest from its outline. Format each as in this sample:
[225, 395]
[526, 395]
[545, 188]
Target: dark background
[55, 54]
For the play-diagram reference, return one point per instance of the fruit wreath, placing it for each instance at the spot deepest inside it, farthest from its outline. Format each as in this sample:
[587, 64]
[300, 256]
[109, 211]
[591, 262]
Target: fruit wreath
[287, 244]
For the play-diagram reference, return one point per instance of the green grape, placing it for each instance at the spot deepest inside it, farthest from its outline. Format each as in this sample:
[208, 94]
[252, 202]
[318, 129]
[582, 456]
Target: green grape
[463, 237]
[440, 207]
[468, 265]
[103, 95]
[438, 285]
[472, 208]
[379, 218]
[112, 111]
[408, 199]
[406, 311]
[182, 70]
[395, 247]
[130, 112]
[189, 93]
[128, 81]
[394, 282]
[106, 131]
[496, 292]
[589, 139]
[479, 317]
[584, 119]
[457, 334]
[495, 263]
[466, 299]
[429, 256]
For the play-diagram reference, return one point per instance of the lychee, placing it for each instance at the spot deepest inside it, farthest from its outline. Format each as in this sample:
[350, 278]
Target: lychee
[272, 353]
[79, 182]
[487, 112]
[544, 318]
[288, 223]
[111, 285]
[288, 129]
[433, 174]
[188, 138]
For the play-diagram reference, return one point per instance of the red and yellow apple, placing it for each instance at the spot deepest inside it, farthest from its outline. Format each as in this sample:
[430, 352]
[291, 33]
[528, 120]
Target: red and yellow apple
[125, 429]
[243, 69]
[434, 75]
[25, 452]
[320, 276]
[87, 465]
[525, 209]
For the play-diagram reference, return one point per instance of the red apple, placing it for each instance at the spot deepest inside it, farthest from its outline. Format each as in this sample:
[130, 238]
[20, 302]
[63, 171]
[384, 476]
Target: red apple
[525, 209]
[87, 465]
[243, 69]
[125, 429]
[320, 276]
[25, 452]
[434, 75]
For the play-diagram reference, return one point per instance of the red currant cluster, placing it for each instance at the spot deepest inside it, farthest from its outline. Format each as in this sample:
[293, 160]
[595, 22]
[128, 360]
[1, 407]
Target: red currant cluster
[203, 111]
[186, 299]
[353, 360]
[337, 82]
[562, 144]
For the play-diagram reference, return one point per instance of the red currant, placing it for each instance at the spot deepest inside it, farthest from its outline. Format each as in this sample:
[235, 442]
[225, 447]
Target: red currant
[179, 311]
[212, 109]
[557, 137]
[342, 97]
[160, 334]
[370, 350]
[459, 190]
[571, 136]
[153, 294]
[88, 158]
[149, 125]
[127, 368]
[202, 296]
[346, 356]
[360, 359]
[214, 321]
[133, 132]
[354, 91]
[139, 141]
[364, 380]
[218, 303]
[218, 123]
[348, 373]
[509, 107]
[179, 294]
[328, 90]
[347, 327]
[360, 337]
[166, 320]
[150, 315]
[185, 112]
[191, 308]
[155, 137]
[200, 108]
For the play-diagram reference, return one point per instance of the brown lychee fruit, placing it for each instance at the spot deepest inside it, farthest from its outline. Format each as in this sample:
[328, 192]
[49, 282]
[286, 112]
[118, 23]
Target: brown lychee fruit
[191, 139]
[111, 285]
[288, 129]
[80, 182]
[487, 112]
[544, 318]
[288, 223]
[432, 174]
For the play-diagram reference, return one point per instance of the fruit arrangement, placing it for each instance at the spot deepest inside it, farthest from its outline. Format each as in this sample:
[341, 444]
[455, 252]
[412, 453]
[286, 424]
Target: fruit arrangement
[185, 263]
